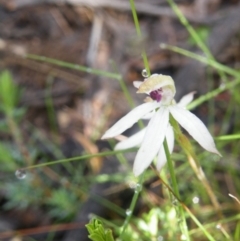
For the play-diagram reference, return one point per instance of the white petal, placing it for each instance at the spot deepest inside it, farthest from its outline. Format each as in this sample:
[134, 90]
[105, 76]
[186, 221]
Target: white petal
[186, 99]
[152, 141]
[170, 141]
[128, 120]
[195, 127]
[132, 141]
[137, 83]
[149, 115]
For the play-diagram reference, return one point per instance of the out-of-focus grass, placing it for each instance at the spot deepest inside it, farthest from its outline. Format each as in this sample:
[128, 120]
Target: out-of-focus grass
[157, 220]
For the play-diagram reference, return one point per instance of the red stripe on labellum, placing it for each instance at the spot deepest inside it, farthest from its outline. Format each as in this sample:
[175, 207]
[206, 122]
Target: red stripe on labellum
[156, 95]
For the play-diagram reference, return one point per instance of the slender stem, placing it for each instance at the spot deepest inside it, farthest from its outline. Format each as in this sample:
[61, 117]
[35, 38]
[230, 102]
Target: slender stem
[144, 55]
[145, 61]
[228, 137]
[196, 221]
[194, 34]
[129, 212]
[77, 158]
[139, 185]
[73, 66]
[17, 135]
[135, 18]
[190, 29]
[171, 169]
[202, 59]
[179, 208]
[49, 104]
[139, 33]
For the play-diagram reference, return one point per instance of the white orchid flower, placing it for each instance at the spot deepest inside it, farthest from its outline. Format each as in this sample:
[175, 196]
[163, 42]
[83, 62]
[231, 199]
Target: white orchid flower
[161, 103]
[136, 139]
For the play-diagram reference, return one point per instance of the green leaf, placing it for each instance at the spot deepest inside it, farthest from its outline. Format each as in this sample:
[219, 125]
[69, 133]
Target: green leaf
[63, 204]
[97, 232]
[9, 92]
[6, 159]
[109, 236]
[96, 237]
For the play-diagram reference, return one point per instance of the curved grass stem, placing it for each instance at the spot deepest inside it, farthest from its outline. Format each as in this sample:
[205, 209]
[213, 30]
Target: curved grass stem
[194, 35]
[187, 147]
[129, 212]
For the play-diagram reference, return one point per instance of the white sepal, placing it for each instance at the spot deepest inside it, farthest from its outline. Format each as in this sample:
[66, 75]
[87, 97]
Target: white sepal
[195, 127]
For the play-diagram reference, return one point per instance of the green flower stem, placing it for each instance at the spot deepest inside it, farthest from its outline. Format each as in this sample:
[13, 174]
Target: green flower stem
[140, 123]
[129, 213]
[139, 33]
[145, 61]
[139, 185]
[144, 55]
[135, 18]
[171, 169]
[179, 208]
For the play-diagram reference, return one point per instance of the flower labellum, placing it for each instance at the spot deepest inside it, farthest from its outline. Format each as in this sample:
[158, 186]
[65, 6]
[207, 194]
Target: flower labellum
[156, 95]
[161, 91]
